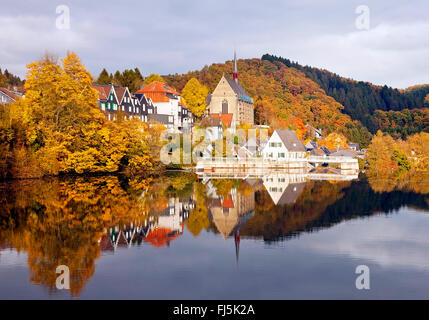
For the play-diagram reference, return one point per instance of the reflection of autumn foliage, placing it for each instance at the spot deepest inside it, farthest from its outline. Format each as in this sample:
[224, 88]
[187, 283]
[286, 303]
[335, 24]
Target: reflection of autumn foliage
[60, 222]
[273, 222]
[223, 186]
[408, 182]
[198, 219]
[244, 188]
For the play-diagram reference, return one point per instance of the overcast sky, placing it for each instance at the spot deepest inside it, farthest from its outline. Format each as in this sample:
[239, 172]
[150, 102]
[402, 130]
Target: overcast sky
[174, 36]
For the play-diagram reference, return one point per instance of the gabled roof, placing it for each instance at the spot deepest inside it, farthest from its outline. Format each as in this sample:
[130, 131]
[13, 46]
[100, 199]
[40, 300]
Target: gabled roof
[103, 90]
[9, 94]
[344, 153]
[291, 140]
[120, 91]
[291, 193]
[238, 90]
[318, 152]
[159, 91]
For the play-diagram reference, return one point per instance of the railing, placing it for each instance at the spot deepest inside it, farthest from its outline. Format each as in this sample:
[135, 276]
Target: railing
[320, 159]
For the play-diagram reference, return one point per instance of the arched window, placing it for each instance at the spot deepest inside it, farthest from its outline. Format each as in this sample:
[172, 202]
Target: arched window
[225, 106]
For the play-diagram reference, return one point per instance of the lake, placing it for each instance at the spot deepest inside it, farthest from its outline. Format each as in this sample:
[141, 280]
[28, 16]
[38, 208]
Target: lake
[181, 236]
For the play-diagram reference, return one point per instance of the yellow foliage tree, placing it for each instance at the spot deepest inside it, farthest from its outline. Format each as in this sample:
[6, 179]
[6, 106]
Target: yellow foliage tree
[153, 77]
[195, 95]
[334, 141]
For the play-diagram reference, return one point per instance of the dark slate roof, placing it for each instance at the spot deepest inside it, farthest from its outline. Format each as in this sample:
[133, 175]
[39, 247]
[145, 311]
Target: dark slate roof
[318, 152]
[291, 140]
[344, 153]
[238, 89]
[161, 118]
[291, 193]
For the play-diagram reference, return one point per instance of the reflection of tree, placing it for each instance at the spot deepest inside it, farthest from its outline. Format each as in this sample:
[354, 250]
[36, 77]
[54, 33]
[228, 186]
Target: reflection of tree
[273, 222]
[60, 223]
[198, 219]
[408, 182]
[323, 204]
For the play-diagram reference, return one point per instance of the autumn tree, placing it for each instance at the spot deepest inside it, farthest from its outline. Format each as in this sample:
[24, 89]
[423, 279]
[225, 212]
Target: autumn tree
[153, 77]
[59, 128]
[334, 141]
[379, 155]
[195, 95]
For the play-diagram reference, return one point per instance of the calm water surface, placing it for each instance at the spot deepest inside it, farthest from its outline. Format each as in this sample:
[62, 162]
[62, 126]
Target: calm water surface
[179, 237]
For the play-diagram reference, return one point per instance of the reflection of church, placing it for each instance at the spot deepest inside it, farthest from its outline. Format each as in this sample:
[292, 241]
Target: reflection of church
[159, 229]
[230, 213]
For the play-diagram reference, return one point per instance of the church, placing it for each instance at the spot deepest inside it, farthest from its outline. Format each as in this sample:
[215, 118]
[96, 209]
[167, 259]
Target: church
[229, 97]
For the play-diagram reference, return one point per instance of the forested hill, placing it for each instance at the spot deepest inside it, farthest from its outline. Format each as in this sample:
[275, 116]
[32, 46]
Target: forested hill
[8, 79]
[284, 97]
[361, 99]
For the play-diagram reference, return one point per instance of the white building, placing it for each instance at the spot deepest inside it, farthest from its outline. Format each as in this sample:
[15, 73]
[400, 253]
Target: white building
[284, 145]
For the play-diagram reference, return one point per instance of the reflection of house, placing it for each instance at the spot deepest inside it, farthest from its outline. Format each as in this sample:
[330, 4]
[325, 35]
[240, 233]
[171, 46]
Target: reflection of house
[159, 229]
[284, 188]
[284, 145]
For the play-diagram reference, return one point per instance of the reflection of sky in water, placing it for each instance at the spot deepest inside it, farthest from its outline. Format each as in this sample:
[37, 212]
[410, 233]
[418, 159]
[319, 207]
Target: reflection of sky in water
[314, 265]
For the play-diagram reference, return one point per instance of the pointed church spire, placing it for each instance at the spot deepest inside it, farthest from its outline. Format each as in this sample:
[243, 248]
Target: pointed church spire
[235, 72]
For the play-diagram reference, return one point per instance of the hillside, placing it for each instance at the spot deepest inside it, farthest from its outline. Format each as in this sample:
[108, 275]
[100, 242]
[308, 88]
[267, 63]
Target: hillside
[361, 99]
[7, 79]
[281, 93]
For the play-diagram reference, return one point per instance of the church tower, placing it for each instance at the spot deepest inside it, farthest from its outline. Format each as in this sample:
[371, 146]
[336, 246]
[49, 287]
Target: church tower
[229, 97]
[235, 72]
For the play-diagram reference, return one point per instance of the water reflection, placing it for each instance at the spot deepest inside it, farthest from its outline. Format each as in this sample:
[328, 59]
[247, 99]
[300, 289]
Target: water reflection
[74, 221]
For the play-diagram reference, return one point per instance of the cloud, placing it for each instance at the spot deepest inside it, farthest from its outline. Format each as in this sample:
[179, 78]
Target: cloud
[398, 240]
[175, 36]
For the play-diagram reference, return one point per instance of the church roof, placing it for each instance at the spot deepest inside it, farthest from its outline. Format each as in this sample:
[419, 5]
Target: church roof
[239, 90]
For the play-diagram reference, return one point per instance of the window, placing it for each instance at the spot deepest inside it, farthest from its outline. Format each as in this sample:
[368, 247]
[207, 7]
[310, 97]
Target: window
[225, 106]
[281, 155]
[150, 111]
[129, 109]
[103, 107]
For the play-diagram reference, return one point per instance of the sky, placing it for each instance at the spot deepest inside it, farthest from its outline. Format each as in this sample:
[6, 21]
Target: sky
[387, 43]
